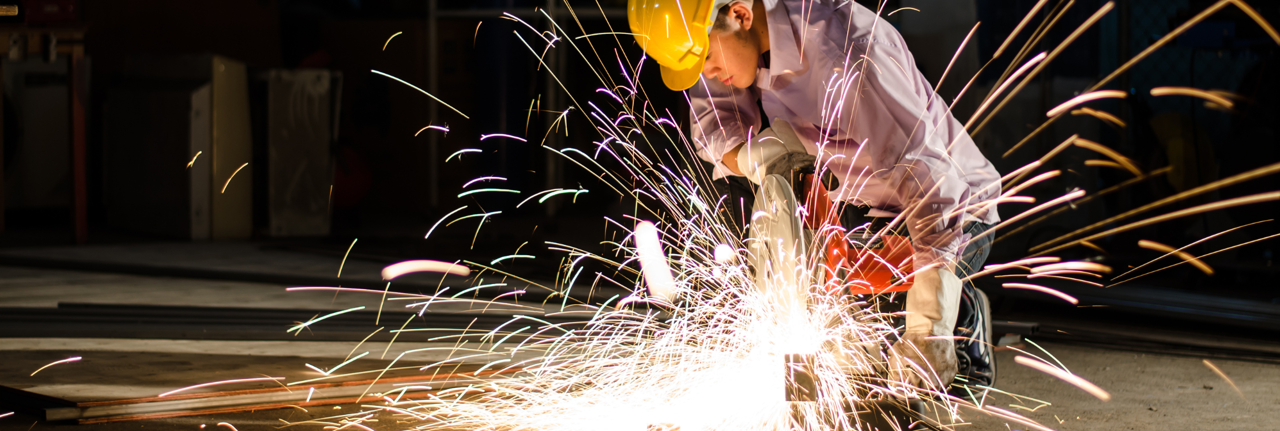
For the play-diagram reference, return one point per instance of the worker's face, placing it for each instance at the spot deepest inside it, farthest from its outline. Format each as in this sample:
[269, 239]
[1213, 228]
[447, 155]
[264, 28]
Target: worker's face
[734, 52]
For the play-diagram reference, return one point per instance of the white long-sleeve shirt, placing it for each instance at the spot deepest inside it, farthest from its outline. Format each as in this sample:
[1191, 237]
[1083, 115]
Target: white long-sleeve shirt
[877, 125]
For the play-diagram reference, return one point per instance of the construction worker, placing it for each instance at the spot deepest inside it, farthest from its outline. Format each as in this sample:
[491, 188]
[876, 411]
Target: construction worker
[847, 100]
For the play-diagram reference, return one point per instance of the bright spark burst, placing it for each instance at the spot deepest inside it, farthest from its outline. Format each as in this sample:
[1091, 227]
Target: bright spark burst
[700, 342]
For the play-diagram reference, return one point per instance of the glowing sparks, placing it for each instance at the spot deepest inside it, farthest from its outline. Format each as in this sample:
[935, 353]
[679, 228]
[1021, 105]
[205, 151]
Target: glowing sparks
[437, 99]
[1248, 10]
[336, 367]
[432, 127]
[1073, 379]
[220, 382]
[344, 256]
[434, 226]
[1193, 92]
[193, 159]
[1073, 266]
[393, 271]
[384, 44]
[1102, 164]
[607, 33]
[1025, 19]
[502, 135]
[472, 192]
[902, 9]
[1053, 202]
[233, 175]
[575, 192]
[1031, 182]
[1087, 97]
[1027, 261]
[224, 424]
[1152, 245]
[653, 262]
[1229, 203]
[1104, 116]
[60, 361]
[510, 256]
[1223, 375]
[716, 343]
[1225, 182]
[1192, 244]
[6, 414]
[459, 153]
[724, 254]
[1042, 289]
[1093, 19]
[299, 327]
[1122, 160]
[482, 179]
[536, 195]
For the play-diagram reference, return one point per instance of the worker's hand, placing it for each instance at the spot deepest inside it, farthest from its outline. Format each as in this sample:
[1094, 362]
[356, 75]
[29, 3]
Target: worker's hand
[779, 151]
[792, 165]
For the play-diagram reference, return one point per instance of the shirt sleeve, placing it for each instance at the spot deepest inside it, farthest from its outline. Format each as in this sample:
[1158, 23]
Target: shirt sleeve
[891, 111]
[723, 117]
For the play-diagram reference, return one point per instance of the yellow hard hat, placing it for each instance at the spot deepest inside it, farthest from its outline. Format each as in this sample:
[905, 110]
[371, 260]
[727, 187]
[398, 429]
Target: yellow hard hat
[674, 34]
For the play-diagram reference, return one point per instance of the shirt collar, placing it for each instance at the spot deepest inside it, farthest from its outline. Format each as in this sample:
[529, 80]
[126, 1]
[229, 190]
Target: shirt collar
[784, 52]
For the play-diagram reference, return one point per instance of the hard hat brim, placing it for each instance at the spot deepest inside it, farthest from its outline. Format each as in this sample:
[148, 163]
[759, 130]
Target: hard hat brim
[680, 80]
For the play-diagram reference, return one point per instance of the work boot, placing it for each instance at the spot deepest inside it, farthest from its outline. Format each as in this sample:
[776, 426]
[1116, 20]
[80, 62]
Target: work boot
[974, 348]
[923, 361]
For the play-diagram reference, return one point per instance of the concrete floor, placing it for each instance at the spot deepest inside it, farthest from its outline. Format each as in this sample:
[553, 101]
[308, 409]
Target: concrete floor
[1150, 391]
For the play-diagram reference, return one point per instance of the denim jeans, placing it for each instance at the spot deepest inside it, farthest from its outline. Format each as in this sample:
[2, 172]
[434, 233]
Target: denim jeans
[976, 252]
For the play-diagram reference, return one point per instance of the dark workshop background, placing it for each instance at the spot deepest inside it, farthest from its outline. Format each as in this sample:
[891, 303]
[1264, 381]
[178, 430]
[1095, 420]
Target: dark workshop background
[146, 61]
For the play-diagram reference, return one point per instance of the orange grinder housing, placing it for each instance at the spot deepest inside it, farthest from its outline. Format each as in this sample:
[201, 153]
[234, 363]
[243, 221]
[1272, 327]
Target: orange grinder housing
[864, 271]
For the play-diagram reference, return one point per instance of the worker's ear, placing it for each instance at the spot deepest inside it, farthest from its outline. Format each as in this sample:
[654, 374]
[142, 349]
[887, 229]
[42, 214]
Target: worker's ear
[741, 13]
